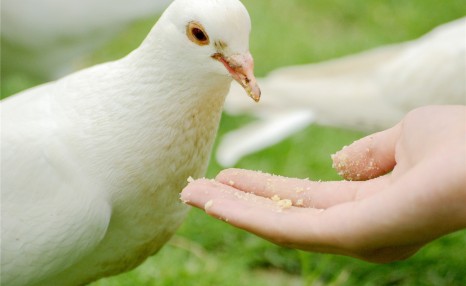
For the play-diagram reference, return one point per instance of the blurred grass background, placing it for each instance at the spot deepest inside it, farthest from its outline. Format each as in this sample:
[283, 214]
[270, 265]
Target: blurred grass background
[209, 252]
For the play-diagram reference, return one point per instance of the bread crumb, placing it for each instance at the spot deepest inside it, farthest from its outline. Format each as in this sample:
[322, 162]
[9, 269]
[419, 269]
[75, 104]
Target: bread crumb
[208, 205]
[275, 198]
[231, 183]
[190, 179]
[300, 202]
[285, 204]
[184, 201]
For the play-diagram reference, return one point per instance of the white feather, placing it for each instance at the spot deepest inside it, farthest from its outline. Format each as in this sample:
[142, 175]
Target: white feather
[252, 137]
[92, 164]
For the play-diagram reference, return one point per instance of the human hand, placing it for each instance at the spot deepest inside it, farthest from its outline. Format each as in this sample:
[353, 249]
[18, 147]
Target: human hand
[415, 192]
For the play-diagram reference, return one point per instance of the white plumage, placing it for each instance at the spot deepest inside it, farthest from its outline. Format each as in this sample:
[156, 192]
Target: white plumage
[47, 38]
[92, 164]
[368, 91]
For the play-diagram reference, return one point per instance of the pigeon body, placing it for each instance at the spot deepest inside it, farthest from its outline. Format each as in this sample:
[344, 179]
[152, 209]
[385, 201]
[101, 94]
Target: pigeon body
[92, 164]
[369, 91]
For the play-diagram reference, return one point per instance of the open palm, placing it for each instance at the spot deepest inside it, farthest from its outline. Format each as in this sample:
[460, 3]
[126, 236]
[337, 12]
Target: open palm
[405, 186]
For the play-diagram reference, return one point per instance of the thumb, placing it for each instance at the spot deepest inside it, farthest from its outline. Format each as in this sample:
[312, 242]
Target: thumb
[369, 157]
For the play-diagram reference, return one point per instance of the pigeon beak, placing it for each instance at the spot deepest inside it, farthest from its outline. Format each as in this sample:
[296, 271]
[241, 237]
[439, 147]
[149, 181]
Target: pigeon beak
[241, 68]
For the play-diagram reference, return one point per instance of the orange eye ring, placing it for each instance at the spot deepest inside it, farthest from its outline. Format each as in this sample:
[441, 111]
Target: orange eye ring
[196, 34]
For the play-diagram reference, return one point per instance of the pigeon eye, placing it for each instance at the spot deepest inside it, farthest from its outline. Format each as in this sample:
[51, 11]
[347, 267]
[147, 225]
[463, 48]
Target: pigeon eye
[197, 34]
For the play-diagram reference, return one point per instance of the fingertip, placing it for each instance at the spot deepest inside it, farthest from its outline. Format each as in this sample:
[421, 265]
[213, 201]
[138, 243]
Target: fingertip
[224, 175]
[367, 158]
[186, 193]
[355, 163]
[192, 191]
[230, 176]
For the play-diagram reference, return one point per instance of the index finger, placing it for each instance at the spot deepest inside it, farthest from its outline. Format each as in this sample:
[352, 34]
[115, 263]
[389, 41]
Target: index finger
[261, 216]
[302, 192]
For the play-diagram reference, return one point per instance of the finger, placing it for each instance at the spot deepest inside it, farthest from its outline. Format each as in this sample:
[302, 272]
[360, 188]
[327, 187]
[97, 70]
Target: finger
[202, 193]
[302, 193]
[285, 225]
[369, 157]
[355, 229]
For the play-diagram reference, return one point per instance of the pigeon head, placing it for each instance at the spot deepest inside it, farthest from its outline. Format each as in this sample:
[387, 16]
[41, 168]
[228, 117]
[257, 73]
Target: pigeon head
[212, 34]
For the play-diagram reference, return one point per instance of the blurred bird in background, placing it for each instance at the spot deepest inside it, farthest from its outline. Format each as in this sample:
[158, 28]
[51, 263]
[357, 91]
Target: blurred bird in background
[368, 91]
[47, 38]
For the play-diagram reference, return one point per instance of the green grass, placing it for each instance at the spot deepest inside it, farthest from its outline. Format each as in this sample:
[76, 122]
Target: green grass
[209, 252]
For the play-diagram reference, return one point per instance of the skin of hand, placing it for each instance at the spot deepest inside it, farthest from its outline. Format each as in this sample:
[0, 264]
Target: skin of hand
[404, 187]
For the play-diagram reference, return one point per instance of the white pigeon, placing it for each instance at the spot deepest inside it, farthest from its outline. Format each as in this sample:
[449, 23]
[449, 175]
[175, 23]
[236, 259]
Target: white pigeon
[369, 91]
[47, 38]
[92, 164]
